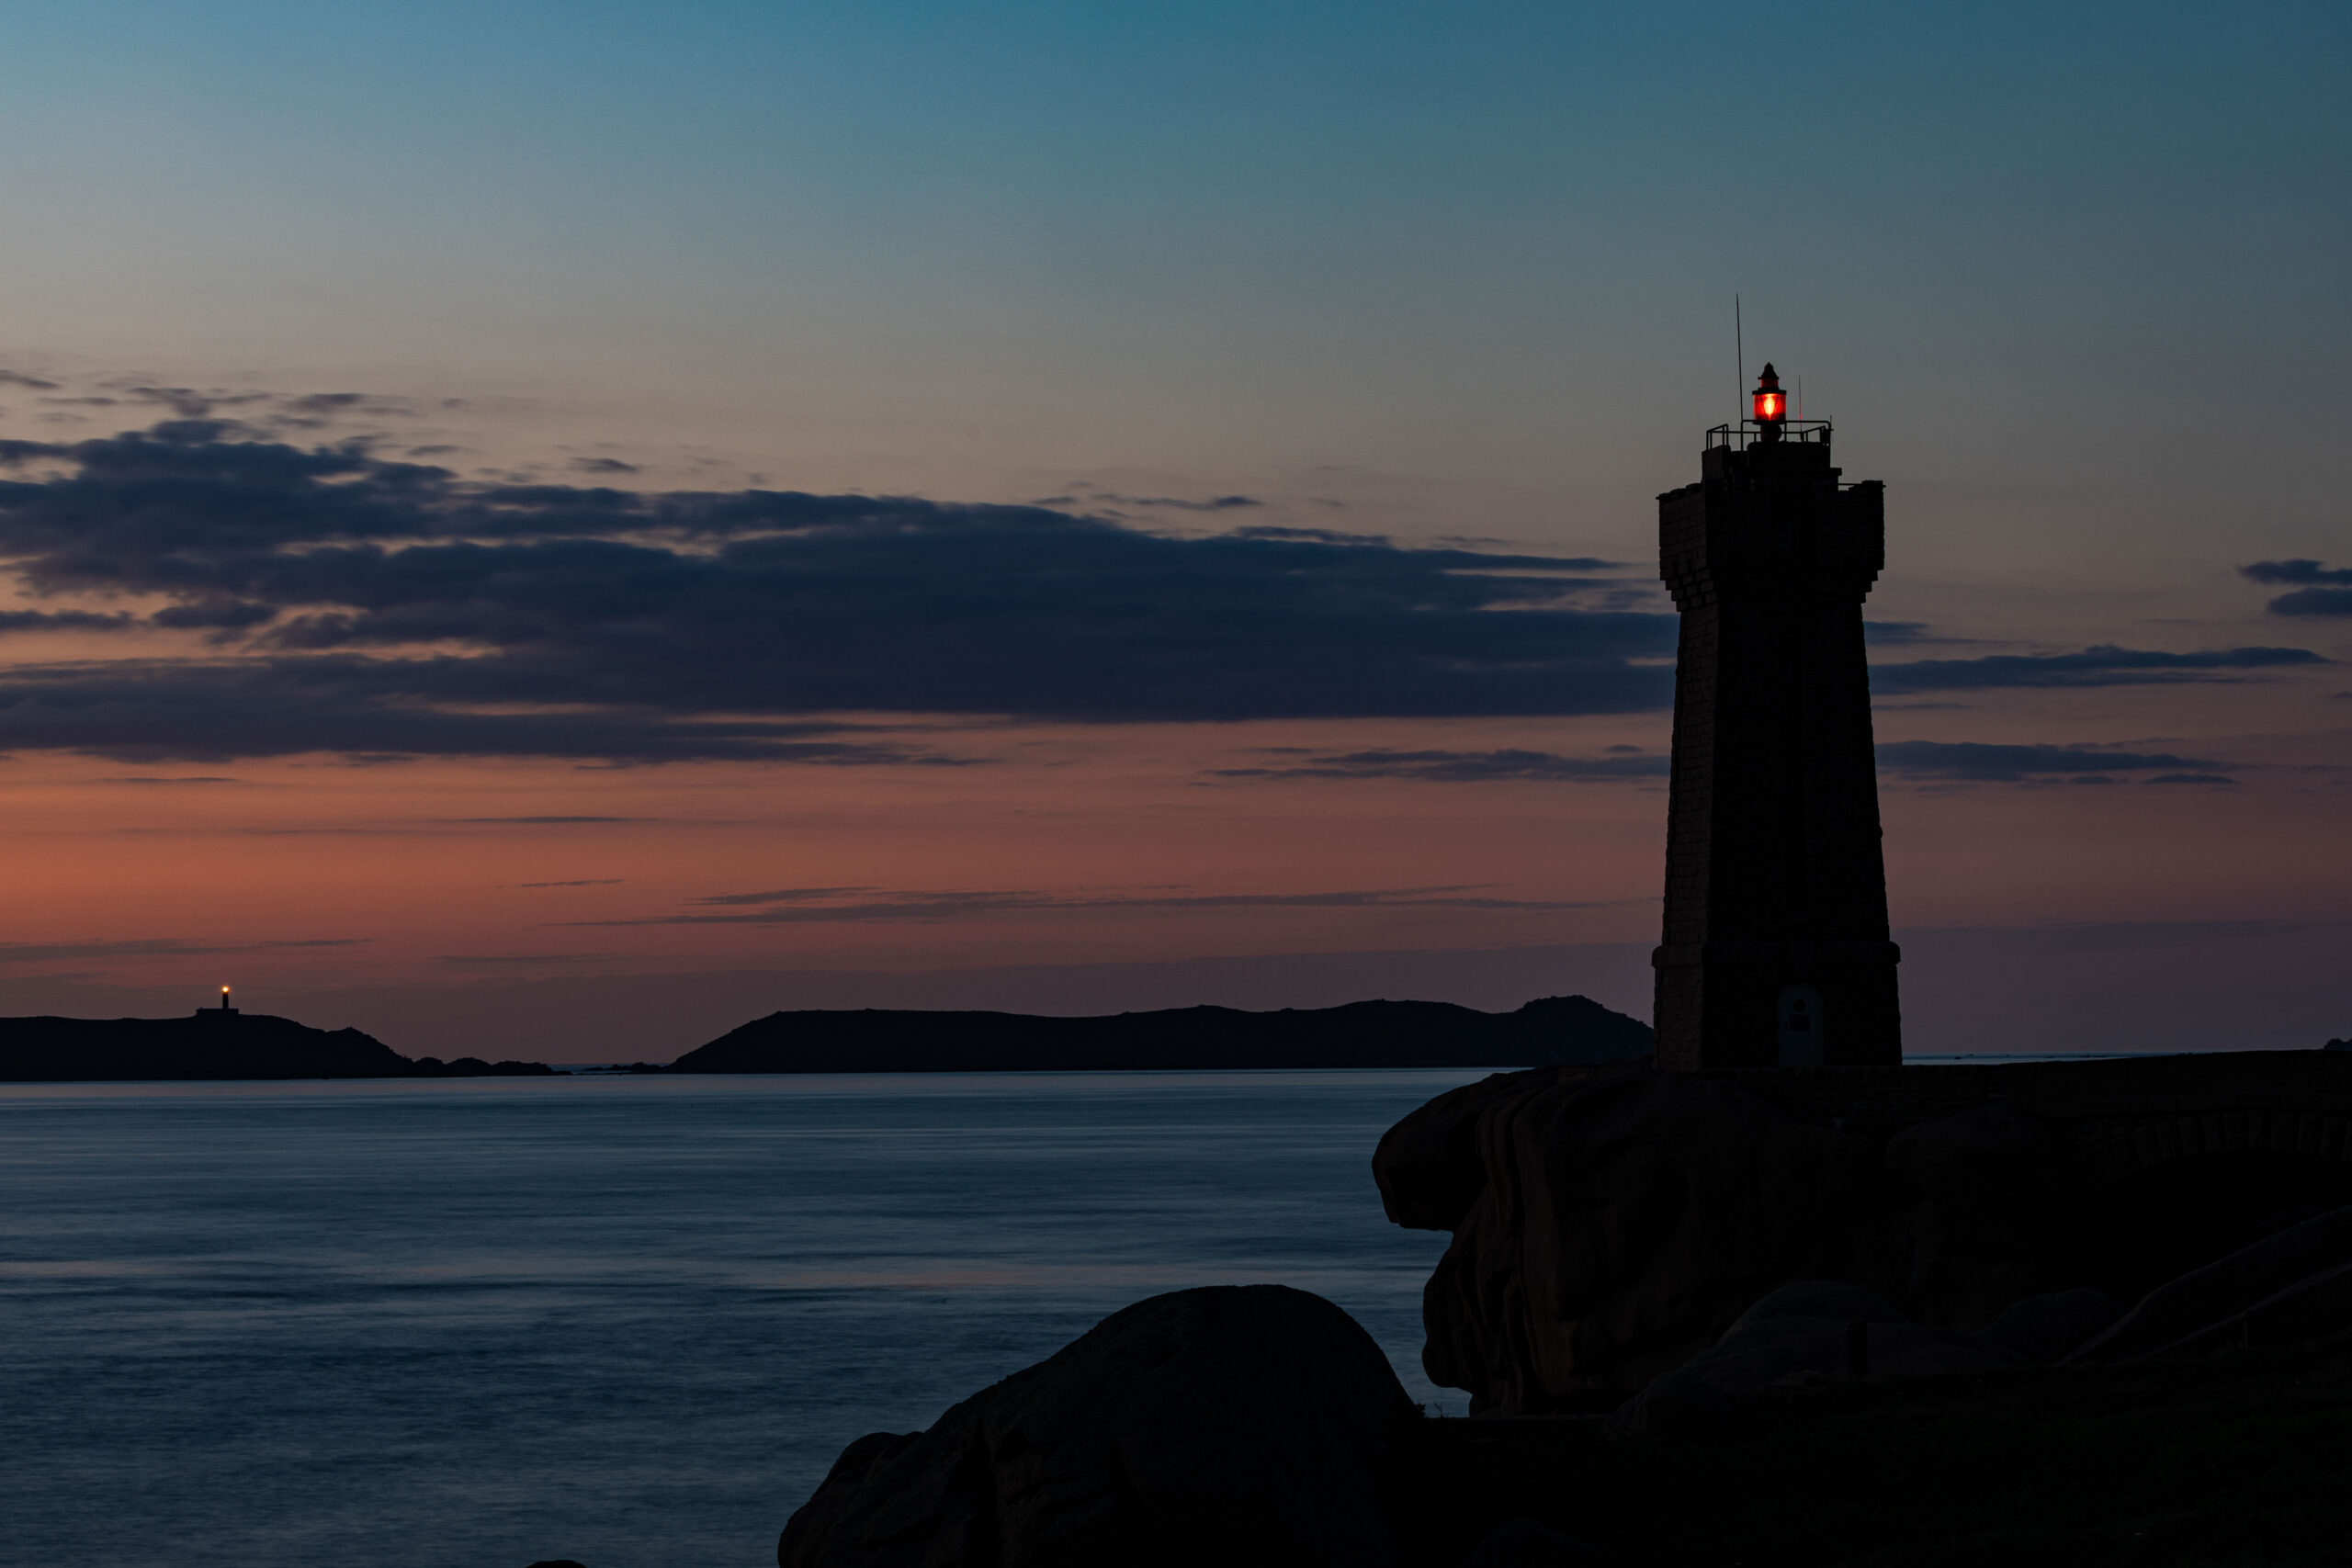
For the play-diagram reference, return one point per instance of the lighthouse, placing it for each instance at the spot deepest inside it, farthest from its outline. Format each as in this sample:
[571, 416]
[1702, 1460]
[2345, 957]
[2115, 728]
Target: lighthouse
[1775, 950]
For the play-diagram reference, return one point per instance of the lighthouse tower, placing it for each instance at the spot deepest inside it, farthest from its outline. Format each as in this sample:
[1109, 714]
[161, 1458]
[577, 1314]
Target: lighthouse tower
[1775, 950]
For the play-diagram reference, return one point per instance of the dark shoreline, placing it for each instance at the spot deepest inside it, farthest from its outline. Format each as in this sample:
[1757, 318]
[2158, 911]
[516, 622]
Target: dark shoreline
[1548, 1031]
[214, 1045]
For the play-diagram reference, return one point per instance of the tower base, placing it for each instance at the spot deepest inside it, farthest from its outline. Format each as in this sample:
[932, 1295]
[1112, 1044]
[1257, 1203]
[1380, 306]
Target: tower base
[1777, 1004]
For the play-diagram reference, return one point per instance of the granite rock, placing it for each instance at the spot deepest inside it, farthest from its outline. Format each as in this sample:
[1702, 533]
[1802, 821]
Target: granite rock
[1611, 1223]
[1228, 1424]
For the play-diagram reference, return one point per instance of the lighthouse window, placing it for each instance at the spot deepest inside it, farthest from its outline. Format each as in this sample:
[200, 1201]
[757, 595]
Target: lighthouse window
[1801, 1032]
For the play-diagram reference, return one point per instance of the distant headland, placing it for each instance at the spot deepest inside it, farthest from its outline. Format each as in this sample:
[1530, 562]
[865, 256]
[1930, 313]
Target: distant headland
[215, 1042]
[221, 1042]
[1550, 1031]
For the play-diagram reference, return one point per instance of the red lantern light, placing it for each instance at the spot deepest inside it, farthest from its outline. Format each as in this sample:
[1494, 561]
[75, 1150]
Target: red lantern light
[1772, 403]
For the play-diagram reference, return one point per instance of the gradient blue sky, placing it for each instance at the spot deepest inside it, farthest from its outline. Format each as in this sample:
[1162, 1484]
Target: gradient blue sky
[2070, 278]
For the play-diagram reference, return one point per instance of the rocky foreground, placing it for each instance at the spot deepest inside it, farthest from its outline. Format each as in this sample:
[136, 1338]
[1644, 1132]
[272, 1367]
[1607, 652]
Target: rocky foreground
[2068, 1313]
[1609, 1225]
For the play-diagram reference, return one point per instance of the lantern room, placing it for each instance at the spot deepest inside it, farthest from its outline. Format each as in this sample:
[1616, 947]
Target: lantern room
[1769, 418]
[1771, 404]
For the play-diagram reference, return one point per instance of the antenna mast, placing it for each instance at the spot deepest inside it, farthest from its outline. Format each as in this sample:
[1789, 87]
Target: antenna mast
[1739, 346]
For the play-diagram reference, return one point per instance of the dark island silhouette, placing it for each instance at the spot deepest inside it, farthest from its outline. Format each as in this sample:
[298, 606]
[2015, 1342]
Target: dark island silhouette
[215, 1042]
[1549, 1032]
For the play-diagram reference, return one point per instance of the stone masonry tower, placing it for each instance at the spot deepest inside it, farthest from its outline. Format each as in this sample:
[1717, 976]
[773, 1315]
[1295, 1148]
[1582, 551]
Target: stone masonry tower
[1775, 950]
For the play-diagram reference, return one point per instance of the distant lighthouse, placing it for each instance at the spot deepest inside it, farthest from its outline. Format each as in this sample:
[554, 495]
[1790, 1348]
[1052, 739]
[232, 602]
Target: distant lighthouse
[225, 1009]
[1775, 950]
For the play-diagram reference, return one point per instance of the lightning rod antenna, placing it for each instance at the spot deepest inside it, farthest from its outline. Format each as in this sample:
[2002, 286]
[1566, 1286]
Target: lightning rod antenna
[1739, 346]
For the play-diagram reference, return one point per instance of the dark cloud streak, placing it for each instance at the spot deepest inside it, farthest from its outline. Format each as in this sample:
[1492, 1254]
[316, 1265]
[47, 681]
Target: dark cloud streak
[64, 621]
[2106, 665]
[160, 711]
[2319, 590]
[1980, 760]
[801, 905]
[2298, 571]
[380, 604]
[1461, 767]
[160, 947]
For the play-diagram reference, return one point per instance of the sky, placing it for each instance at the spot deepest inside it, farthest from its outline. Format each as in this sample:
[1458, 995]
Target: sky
[549, 530]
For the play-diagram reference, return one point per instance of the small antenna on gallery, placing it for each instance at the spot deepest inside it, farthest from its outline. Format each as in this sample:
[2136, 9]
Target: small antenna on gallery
[1739, 347]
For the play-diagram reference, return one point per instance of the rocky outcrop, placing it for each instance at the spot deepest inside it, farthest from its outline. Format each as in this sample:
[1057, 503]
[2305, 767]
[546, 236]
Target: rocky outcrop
[1234, 1423]
[1611, 1224]
[1361, 1034]
[475, 1068]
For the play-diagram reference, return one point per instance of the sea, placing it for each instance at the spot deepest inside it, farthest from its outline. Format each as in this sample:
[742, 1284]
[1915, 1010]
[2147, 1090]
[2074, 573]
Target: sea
[629, 1320]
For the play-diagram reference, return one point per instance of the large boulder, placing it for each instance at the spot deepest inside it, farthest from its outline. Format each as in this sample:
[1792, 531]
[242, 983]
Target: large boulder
[1244, 1424]
[1611, 1223]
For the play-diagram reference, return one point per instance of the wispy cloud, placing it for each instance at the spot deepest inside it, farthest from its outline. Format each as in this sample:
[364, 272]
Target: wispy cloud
[67, 621]
[2106, 665]
[2087, 937]
[806, 906]
[543, 822]
[2320, 592]
[2295, 571]
[496, 959]
[44, 952]
[382, 711]
[2011, 763]
[1179, 503]
[783, 895]
[1465, 767]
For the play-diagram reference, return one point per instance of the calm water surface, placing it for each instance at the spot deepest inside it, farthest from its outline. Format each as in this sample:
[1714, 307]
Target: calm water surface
[626, 1320]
